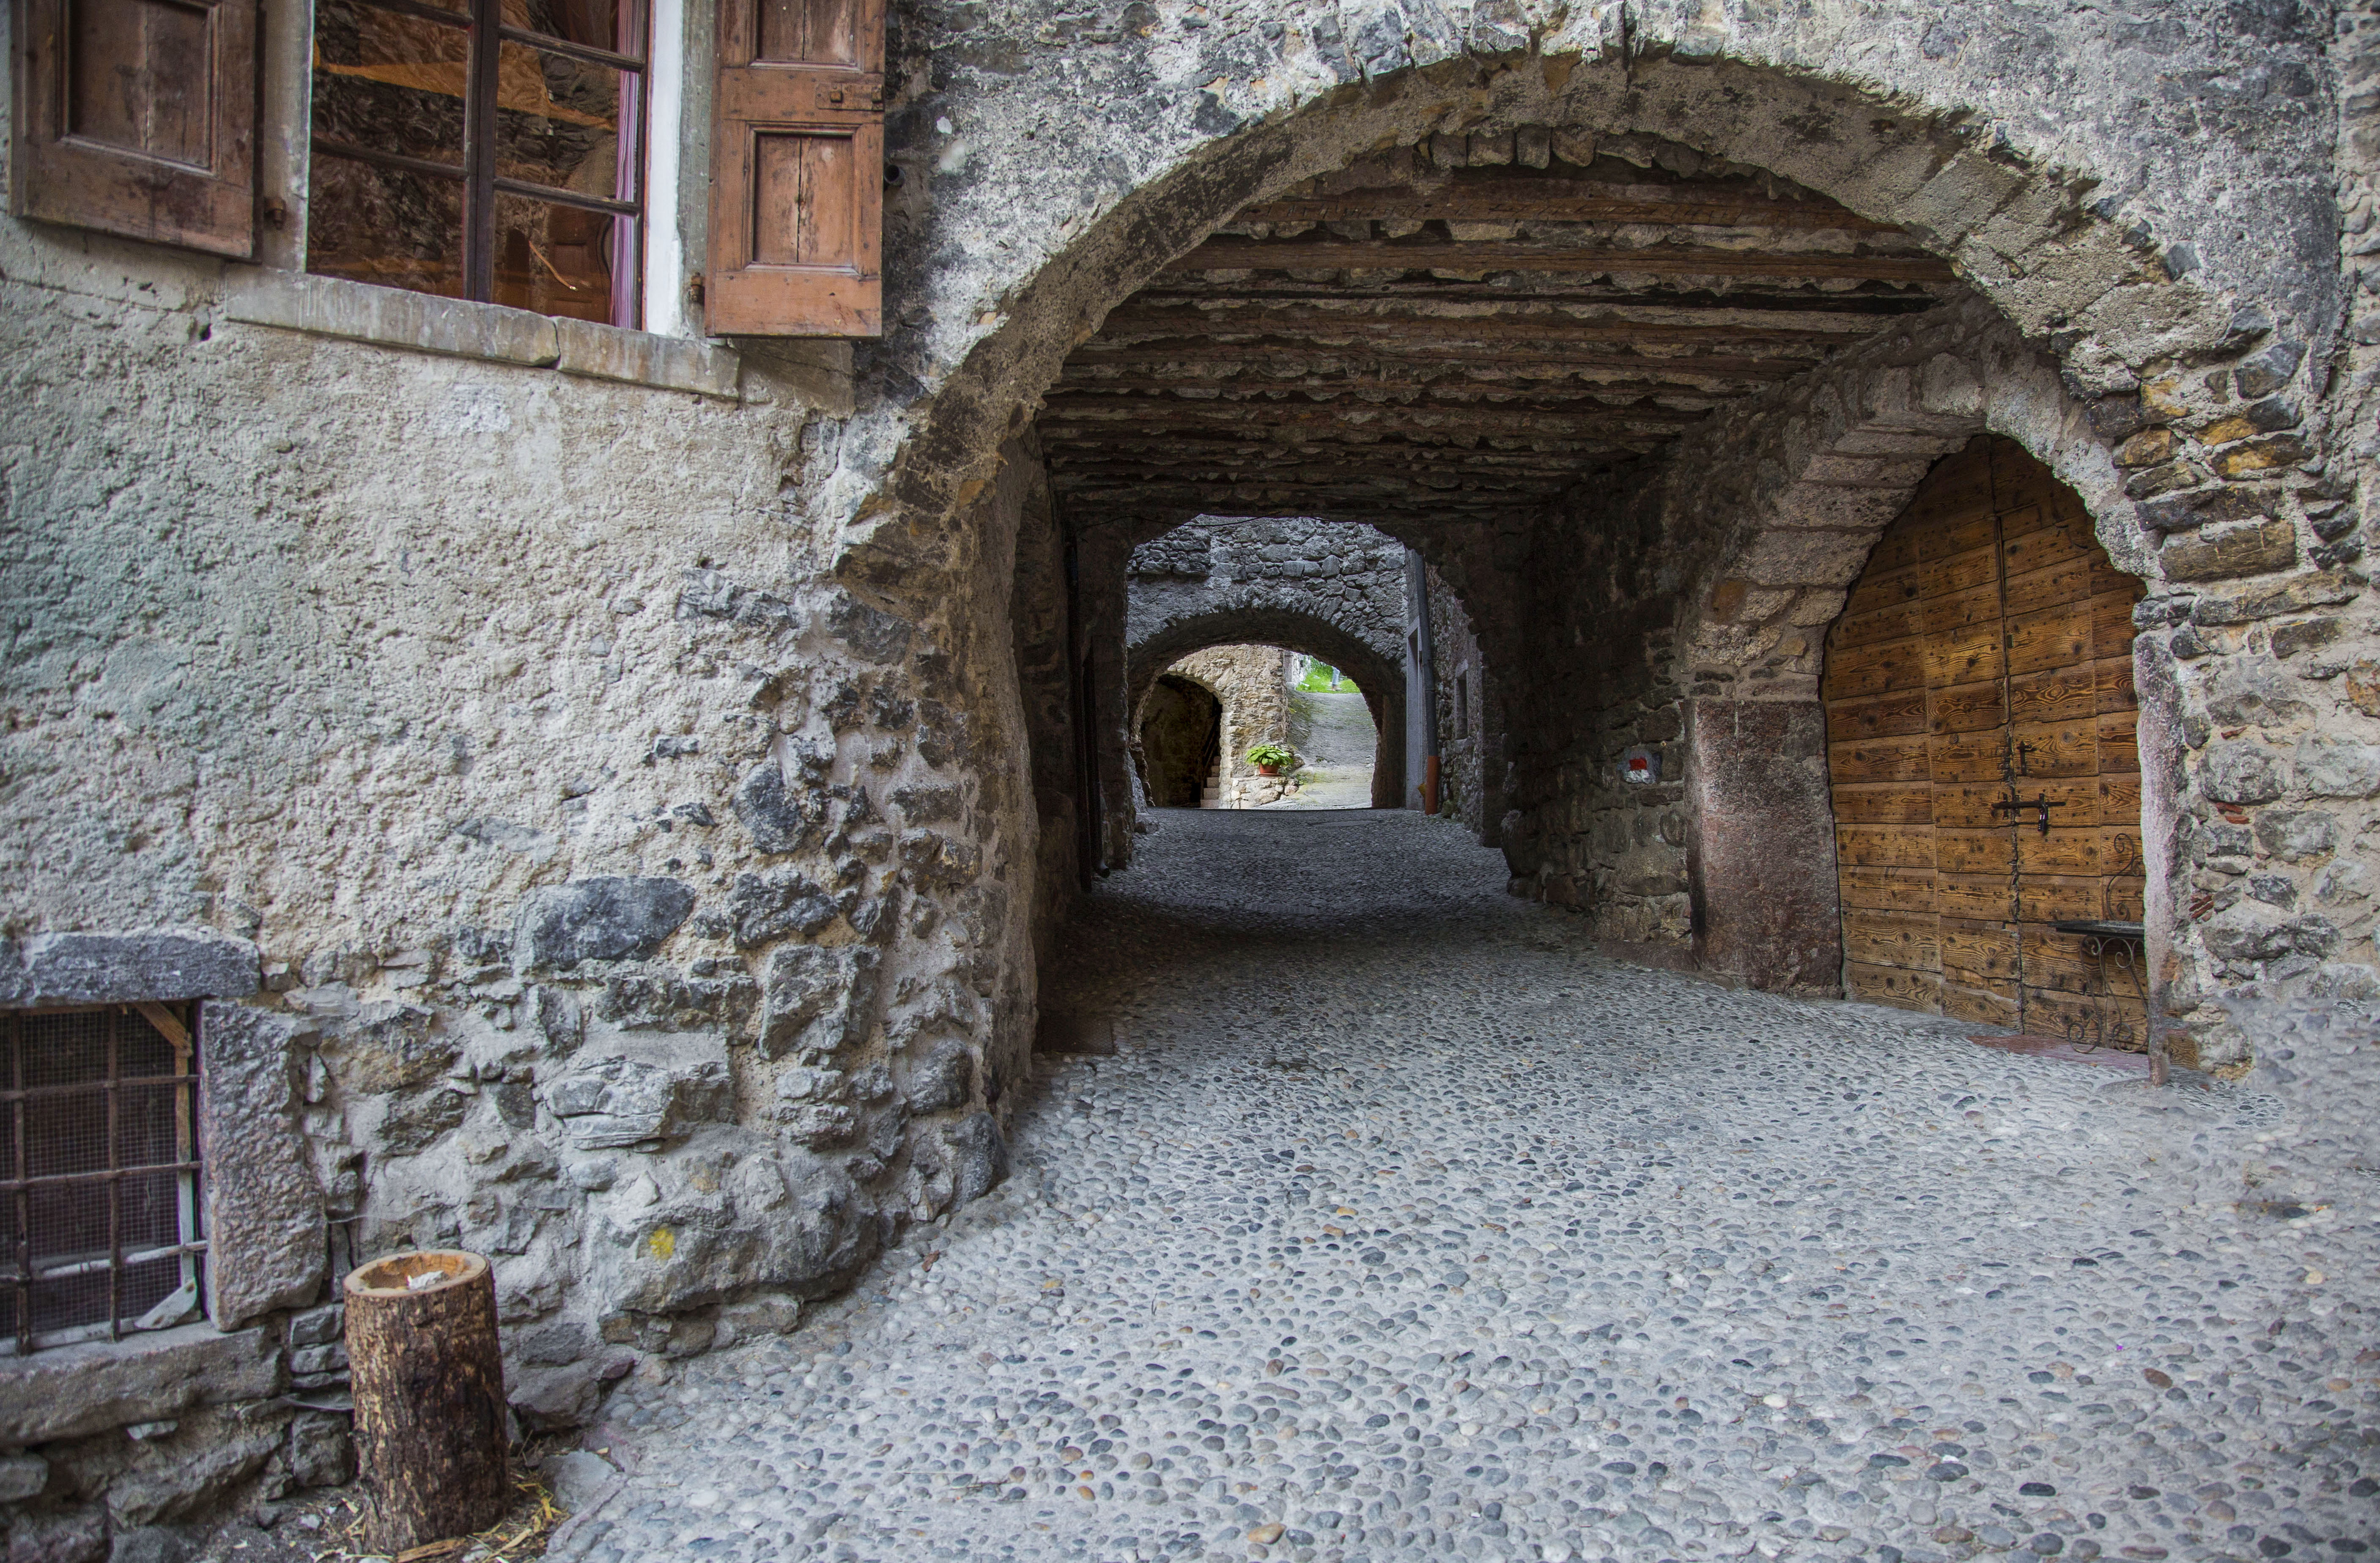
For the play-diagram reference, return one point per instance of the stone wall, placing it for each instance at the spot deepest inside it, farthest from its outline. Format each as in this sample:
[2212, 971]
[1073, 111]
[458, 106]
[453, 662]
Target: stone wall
[1470, 731]
[1332, 590]
[1252, 683]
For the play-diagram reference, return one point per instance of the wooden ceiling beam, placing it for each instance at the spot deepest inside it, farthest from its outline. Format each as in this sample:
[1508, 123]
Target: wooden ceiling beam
[1553, 198]
[1720, 366]
[1450, 388]
[1505, 255]
[1287, 321]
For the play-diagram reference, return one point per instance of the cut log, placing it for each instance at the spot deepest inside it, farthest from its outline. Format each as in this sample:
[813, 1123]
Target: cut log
[429, 1384]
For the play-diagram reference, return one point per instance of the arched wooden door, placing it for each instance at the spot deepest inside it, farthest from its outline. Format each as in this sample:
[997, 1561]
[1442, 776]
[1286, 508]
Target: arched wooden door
[1982, 668]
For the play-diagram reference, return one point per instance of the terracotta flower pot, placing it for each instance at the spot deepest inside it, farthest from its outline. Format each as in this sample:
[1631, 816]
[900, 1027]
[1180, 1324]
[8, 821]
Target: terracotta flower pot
[1268, 770]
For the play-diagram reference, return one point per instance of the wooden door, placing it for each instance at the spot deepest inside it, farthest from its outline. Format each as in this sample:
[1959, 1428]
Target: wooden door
[1985, 657]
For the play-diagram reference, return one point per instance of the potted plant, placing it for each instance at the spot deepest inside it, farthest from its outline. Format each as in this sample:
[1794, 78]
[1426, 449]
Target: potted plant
[1271, 759]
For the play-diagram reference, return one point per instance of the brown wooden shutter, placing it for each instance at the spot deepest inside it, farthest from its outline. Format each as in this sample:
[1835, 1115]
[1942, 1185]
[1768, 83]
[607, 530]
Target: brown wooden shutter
[138, 117]
[797, 170]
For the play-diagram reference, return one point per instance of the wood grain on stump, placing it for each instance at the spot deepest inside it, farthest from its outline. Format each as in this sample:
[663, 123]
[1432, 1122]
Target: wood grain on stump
[429, 1397]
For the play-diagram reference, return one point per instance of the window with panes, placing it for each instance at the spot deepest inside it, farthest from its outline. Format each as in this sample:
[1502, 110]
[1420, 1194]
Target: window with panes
[491, 150]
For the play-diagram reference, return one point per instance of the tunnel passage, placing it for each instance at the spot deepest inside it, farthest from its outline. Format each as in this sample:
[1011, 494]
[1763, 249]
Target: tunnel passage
[1181, 740]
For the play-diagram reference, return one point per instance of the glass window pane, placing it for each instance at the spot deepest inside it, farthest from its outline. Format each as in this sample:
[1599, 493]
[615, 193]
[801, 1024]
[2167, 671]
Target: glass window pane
[388, 81]
[562, 261]
[385, 226]
[560, 121]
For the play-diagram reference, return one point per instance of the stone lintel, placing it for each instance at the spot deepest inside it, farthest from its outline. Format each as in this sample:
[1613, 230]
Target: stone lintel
[164, 965]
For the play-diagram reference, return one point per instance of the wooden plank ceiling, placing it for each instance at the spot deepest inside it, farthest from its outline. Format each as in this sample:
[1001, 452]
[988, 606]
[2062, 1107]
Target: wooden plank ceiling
[1455, 331]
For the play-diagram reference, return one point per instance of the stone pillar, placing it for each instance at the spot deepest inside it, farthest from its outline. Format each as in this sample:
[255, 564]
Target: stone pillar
[1761, 856]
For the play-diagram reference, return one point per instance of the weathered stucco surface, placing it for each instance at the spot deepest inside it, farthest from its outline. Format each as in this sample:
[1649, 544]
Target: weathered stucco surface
[649, 804]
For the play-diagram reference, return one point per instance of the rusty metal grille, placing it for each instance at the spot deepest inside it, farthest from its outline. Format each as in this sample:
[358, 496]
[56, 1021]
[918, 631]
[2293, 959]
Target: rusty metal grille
[99, 1173]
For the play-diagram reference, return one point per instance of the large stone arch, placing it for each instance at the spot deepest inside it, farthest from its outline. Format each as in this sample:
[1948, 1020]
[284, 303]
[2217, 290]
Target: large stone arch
[2070, 236]
[1376, 671]
[2061, 227]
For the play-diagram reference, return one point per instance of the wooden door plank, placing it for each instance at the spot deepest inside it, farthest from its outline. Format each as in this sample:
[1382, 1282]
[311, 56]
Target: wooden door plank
[1875, 669]
[1966, 708]
[1884, 846]
[1874, 716]
[1975, 897]
[2049, 638]
[1890, 984]
[1887, 890]
[1906, 940]
[1885, 803]
[2050, 749]
[1968, 756]
[1879, 760]
[1969, 654]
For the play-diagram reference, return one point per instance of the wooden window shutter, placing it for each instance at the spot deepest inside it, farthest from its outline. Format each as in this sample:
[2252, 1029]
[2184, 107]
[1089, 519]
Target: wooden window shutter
[138, 117]
[797, 164]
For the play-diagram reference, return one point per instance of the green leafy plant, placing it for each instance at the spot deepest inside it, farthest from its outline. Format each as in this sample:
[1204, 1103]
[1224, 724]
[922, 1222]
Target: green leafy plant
[1273, 756]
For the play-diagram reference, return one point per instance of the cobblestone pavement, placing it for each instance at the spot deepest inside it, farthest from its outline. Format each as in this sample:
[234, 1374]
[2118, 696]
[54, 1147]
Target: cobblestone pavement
[1405, 1227]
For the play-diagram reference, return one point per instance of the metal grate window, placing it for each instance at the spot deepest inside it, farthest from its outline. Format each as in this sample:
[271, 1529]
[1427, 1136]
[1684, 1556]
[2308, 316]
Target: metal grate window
[99, 1173]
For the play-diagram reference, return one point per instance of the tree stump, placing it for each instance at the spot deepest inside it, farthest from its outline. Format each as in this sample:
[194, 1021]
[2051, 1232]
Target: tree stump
[429, 1383]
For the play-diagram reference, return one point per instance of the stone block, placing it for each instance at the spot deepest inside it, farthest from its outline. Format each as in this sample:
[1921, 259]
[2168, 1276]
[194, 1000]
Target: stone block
[762, 1315]
[266, 1227]
[181, 1485]
[319, 1327]
[2221, 553]
[972, 1153]
[73, 1391]
[321, 1449]
[2270, 371]
[555, 1399]
[2242, 771]
[22, 1476]
[167, 966]
[780, 818]
[77, 1535]
[2200, 507]
[943, 1079]
[726, 1213]
[625, 1101]
[2295, 835]
[1806, 558]
[777, 904]
[2294, 596]
[608, 919]
[151, 1543]
[578, 1478]
[811, 999]
[388, 1046]
[2338, 767]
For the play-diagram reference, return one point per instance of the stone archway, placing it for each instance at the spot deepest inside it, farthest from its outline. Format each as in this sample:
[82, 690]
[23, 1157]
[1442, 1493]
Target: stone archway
[1176, 737]
[2121, 309]
[1376, 670]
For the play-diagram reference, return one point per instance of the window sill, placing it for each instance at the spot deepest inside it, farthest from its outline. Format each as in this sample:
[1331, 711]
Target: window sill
[422, 322]
[74, 1391]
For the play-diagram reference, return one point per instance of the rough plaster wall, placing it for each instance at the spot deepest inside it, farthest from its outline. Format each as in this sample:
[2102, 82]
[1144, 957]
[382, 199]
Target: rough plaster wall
[1252, 682]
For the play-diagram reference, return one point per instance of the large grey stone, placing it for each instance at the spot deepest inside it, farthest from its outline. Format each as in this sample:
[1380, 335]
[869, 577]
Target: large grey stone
[166, 965]
[774, 905]
[72, 1391]
[2338, 767]
[150, 1543]
[972, 1153]
[180, 1484]
[2242, 771]
[813, 999]
[613, 917]
[75, 1535]
[22, 1476]
[266, 1222]
[943, 1079]
[723, 1214]
[388, 1046]
[623, 1100]
[322, 1448]
[780, 818]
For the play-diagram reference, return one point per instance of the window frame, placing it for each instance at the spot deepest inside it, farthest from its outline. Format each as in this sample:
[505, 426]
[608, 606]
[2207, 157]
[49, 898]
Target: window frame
[178, 1023]
[476, 173]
